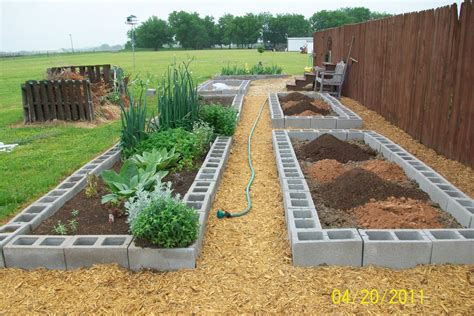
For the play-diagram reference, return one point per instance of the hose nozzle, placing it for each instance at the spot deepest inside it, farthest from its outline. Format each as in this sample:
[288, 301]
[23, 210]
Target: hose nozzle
[223, 214]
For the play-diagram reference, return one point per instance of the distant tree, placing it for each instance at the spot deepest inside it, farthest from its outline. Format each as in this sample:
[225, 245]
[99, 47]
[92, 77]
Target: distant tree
[152, 33]
[224, 27]
[212, 31]
[245, 30]
[189, 29]
[282, 26]
[327, 19]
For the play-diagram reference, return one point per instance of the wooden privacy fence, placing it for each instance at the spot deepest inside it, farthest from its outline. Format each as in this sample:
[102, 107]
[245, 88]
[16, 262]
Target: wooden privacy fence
[46, 100]
[416, 70]
[94, 73]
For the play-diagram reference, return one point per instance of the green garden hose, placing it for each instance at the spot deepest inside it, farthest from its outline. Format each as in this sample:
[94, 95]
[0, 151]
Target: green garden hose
[225, 214]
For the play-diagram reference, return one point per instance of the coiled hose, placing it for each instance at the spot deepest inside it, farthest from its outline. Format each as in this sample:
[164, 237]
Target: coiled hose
[225, 214]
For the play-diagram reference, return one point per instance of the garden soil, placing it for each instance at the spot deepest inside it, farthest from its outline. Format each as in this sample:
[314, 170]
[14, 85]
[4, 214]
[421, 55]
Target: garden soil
[298, 104]
[245, 265]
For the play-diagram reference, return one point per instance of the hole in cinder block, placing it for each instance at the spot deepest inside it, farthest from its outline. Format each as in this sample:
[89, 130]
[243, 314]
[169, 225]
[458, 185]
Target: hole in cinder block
[299, 203]
[408, 158]
[2, 237]
[304, 223]
[295, 181]
[286, 156]
[211, 165]
[444, 234]
[302, 214]
[289, 165]
[290, 170]
[408, 235]
[25, 241]
[52, 241]
[203, 184]
[206, 177]
[200, 190]
[48, 199]
[470, 209]
[75, 179]
[90, 167]
[445, 187]
[297, 195]
[296, 187]
[428, 174]
[196, 197]
[24, 218]
[57, 193]
[113, 241]
[285, 151]
[216, 155]
[194, 205]
[379, 235]
[214, 160]
[421, 168]
[9, 228]
[85, 241]
[453, 193]
[465, 202]
[468, 234]
[435, 180]
[310, 236]
[81, 172]
[66, 185]
[35, 209]
[340, 234]
[292, 174]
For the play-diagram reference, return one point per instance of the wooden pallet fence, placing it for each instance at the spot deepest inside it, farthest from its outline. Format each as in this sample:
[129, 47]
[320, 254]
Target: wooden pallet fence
[95, 73]
[47, 100]
[416, 70]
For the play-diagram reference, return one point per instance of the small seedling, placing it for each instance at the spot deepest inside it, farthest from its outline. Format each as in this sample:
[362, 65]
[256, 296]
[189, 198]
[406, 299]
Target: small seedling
[73, 224]
[75, 213]
[91, 187]
[60, 228]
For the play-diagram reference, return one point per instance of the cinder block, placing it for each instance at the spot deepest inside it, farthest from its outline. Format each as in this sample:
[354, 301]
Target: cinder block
[462, 210]
[372, 142]
[204, 187]
[400, 249]
[355, 134]
[345, 123]
[199, 201]
[7, 233]
[454, 246]
[323, 122]
[278, 122]
[297, 122]
[202, 231]
[87, 250]
[295, 185]
[304, 134]
[339, 134]
[31, 252]
[341, 247]
[161, 259]
[298, 199]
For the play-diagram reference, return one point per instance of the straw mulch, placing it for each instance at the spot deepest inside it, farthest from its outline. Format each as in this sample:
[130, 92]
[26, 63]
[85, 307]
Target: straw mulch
[457, 173]
[245, 265]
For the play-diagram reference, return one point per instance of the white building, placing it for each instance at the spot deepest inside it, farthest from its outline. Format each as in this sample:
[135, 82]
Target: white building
[295, 43]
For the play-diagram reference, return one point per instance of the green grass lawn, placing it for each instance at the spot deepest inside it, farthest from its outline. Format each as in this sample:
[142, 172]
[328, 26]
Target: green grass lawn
[50, 153]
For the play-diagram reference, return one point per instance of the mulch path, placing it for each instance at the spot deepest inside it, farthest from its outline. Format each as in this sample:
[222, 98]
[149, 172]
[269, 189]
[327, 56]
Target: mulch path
[245, 265]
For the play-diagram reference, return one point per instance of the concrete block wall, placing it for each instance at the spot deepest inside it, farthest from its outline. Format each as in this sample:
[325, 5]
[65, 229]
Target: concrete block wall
[346, 119]
[394, 248]
[71, 252]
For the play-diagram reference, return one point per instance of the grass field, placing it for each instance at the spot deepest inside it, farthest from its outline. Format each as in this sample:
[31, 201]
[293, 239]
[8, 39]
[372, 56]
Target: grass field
[49, 153]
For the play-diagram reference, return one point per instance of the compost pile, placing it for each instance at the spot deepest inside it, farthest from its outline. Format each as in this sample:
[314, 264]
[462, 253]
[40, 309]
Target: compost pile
[298, 104]
[329, 147]
[104, 109]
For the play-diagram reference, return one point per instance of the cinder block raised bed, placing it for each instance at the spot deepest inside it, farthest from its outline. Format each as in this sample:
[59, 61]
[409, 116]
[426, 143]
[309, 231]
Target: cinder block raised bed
[236, 101]
[345, 118]
[20, 250]
[395, 248]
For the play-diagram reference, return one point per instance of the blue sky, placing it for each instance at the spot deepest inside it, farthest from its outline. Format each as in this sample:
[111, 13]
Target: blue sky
[46, 25]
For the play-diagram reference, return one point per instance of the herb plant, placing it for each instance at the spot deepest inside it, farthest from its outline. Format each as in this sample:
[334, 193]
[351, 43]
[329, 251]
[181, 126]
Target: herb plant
[222, 119]
[60, 228]
[157, 159]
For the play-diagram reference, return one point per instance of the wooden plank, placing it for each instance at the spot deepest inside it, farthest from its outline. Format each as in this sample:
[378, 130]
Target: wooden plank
[72, 100]
[79, 99]
[37, 101]
[30, 100]
[56, 84]
[51, 99]
[98, 75]
[66, 101]
[107, 72]
[26, 108]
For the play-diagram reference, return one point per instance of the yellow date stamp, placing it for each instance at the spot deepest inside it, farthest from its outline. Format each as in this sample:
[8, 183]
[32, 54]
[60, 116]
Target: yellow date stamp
[378, 297]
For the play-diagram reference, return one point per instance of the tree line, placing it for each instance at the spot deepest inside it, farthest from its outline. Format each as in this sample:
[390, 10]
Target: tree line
[193, 31]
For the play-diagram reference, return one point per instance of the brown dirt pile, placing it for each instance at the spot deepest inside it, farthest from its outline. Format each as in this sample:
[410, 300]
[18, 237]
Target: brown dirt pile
[325, 170]
[329, 147]
[397, 213]
[295, 96]
[357, 186]
[316, 106]
[386, 170]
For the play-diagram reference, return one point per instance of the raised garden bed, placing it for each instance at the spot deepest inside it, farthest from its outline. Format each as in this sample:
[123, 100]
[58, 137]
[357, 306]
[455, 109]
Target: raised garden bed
[226, 99]
[249, 77]
[346, 206]
[310, 110]
[24, 250]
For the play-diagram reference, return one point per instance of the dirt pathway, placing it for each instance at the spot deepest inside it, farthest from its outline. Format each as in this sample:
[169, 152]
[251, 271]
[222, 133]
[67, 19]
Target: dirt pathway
[245, 265]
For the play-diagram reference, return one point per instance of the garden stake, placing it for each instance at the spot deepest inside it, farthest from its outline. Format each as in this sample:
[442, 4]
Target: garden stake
[225, 214]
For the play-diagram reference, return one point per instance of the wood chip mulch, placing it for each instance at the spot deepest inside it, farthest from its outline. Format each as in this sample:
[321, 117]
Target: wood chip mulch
[245, 265]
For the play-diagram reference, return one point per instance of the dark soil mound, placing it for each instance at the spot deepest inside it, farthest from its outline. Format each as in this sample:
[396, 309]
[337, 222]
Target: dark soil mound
[295, 96]
[329, 147]
[305, 105]
[357, 186]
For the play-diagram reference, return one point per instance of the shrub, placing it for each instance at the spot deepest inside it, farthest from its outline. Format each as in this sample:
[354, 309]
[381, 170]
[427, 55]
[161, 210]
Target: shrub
[177, 98]
[163, 221]
[222, 119]
[184, 142]
[204, 133]
[260, 49]
[258, 69]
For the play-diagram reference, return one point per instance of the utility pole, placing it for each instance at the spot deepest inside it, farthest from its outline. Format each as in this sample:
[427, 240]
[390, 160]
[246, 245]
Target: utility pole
[132, 20]
[72, 46]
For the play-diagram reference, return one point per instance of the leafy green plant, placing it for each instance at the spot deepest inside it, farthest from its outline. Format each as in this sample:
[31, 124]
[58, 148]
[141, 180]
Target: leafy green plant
[260, 49]
[166, 222]
[60, 228]
[156, 160]
[133, 125]
[258, 69]
[222, 119]
[177, 97]
[73, 224]
[128, 181]
[91, 186]
[75, 213]
[204, 135]
[184, 142]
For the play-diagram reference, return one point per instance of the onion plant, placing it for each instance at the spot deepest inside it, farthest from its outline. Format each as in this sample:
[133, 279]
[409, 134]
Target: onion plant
[133, 124]
[177, 98]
